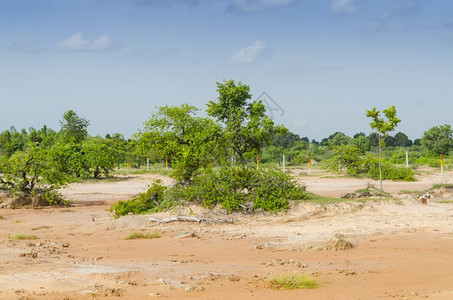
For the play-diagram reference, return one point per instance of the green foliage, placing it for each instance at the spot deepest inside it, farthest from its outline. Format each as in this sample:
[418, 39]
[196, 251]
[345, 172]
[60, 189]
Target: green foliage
[438, 140]
[73, 127]
[390, 172]
[33, 168]
[233, 188]
[362, 143]
[150, 201]
[247, 128]
[352, 161]
[92, 158]
[291, 281]
[336, 139]
[100, 158]
[383, 126]
[51, 196]
[190, 142]
[347, 158]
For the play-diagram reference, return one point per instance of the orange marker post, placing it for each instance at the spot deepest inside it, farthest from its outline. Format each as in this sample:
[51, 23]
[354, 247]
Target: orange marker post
[258, 161]
[309, 165]
[441, 164]
[127, 166]
[166, 162]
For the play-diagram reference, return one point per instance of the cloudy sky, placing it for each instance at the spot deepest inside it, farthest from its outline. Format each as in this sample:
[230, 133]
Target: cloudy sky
[321, 64]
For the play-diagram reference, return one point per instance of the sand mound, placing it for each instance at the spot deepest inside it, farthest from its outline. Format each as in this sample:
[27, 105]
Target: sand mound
[8, 200]
[338, 243]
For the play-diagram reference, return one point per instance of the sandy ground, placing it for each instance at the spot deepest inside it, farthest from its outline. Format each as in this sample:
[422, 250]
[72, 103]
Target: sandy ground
[403, 249]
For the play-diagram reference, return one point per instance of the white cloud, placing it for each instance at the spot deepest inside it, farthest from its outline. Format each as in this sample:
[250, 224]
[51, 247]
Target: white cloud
[76, 42]
[343, 7]
[250, 54]
[257, 5]
[27, 44]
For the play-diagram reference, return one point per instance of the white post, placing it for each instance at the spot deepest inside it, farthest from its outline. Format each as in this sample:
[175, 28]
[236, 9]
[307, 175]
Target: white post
[407, 159]
[147, 164]
[284, 164]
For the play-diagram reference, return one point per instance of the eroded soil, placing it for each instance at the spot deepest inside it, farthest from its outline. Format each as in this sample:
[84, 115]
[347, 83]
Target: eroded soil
[402, 248]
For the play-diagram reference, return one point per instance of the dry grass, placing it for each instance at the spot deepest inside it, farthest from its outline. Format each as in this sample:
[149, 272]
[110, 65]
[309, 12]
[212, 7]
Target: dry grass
[142, 235]
[291, 281]
[20, 236]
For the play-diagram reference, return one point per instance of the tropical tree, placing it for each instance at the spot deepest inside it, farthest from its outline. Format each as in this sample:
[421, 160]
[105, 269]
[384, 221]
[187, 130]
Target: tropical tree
[438, 140]
[26, 171]
[402, 140]
[246, 126]
[382, 127]
[73, 127]
[189, 141]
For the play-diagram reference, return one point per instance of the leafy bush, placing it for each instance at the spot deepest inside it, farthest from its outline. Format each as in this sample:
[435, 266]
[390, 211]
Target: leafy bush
[149, 201]
[347, 158]
[234, 187]
[51, 196]
[390, 172]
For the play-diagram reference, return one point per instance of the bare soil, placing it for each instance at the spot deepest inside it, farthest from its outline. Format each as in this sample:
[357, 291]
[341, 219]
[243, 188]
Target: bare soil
[402, 249]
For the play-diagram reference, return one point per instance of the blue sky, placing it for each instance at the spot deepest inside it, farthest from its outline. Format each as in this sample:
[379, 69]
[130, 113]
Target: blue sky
[324, 63]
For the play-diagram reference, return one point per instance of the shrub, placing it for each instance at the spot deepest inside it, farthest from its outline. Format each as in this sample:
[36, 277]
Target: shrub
[149, 201]
[233, 187]
[390, 172]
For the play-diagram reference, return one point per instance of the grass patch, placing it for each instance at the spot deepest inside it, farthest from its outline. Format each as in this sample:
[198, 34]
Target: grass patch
[17, 221]
[442, 185]
[1, 217]
[291, 281]
[323, 200]
[374, 192]
[142, 235]
[410, 192]
[446, 201]
[20, 236]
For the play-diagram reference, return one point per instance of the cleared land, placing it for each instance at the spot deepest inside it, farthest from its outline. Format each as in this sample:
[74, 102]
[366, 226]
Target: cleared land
[402, 248]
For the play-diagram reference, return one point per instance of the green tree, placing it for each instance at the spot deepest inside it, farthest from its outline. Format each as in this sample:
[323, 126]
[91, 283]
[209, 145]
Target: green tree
[382, 127]
[247, 128]
[402, 140]
[73, 127]
[438, 140]
[28, 170]
[99, 158]
[362, 143]
[189, 141]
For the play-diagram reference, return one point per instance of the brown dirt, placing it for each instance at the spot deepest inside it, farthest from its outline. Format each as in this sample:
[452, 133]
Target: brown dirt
[402, 249]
